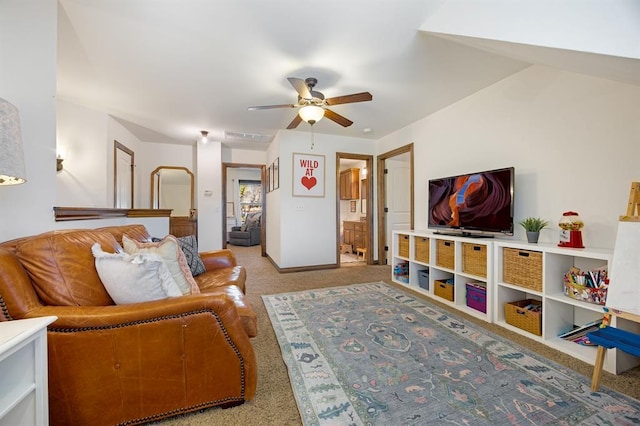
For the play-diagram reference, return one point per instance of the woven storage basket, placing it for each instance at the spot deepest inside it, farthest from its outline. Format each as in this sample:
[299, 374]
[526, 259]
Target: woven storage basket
[443, 289]
[523, 268]
[474, 259]
[525, 319]
[403, 245]
[422, 249]
[445, 253]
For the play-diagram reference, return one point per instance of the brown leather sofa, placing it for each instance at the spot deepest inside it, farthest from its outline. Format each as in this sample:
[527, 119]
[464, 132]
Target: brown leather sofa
[136, 363]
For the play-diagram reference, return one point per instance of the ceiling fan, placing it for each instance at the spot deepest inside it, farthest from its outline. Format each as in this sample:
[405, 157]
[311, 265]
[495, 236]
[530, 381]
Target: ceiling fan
[313, 105]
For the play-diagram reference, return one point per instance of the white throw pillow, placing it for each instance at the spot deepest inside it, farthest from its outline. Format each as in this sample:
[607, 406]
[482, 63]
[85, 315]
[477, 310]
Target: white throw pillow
[134, 279]
[170, 250]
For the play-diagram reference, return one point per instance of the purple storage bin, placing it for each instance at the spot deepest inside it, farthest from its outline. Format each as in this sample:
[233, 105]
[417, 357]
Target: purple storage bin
[477, 297]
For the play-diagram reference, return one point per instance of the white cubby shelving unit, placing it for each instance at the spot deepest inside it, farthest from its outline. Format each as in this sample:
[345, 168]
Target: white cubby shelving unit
[423, 251]
[560, 313]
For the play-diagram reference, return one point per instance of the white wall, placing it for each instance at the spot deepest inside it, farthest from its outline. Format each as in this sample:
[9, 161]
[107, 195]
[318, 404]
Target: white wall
[244, 156]
[28, 30]
[273, 220]
[85, 138]
[573, 140]
[209, 196]
[28, 80]
[80, 139]
[307, 225]
[606, 27]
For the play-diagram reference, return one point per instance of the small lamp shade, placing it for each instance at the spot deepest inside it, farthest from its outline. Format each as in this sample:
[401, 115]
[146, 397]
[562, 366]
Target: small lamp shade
[311, 113]
[11, 152]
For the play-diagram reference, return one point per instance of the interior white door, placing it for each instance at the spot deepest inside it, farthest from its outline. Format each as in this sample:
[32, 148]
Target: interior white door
[124, 179]
[398, 197]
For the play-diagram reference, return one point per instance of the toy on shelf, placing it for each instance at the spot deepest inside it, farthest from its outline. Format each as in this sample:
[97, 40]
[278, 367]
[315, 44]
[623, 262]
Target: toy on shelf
[570, 230]
[588, 286]
[401, 271]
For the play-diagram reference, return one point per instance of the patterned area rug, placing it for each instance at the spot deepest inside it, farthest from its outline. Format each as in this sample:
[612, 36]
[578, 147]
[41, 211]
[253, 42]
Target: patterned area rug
[372, 354]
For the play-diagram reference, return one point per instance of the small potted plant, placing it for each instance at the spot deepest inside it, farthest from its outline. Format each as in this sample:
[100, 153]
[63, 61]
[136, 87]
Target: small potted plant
[533, 226]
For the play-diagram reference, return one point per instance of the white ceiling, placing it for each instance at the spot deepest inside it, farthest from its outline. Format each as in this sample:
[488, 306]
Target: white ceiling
[167, 69]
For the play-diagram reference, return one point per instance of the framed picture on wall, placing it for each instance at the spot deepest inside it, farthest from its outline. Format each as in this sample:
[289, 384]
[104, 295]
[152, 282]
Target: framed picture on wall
[308, 175]
[271, 177]
[352, 206]
[276, 173]
[268, 179]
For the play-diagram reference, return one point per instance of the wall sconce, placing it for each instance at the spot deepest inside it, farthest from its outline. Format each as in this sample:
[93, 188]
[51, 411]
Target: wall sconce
[11, 152]
[59, 161]
[204, 134]
[311, 113]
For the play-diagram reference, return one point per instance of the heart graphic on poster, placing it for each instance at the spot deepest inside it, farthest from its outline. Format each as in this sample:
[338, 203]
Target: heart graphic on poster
[309, 182]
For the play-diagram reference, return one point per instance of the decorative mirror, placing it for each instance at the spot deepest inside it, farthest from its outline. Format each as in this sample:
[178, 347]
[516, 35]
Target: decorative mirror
[172, 188]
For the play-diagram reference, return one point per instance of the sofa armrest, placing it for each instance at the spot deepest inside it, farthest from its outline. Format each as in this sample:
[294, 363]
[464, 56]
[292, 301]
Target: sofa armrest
[183, 353]
[218, 259]
[79, 317]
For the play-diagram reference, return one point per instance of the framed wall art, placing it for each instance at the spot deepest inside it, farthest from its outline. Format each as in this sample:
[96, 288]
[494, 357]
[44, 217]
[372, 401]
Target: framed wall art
[276, 173]
[267, 181]
[308, 175]
[271, 177]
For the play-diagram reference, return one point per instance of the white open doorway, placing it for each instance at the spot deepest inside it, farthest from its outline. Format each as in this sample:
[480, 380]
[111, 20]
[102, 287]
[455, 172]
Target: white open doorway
[235, 209]
[395, 196]
[354, 217]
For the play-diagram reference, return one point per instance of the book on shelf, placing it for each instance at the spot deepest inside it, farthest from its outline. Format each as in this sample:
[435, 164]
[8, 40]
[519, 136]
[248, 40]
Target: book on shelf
[579, 334]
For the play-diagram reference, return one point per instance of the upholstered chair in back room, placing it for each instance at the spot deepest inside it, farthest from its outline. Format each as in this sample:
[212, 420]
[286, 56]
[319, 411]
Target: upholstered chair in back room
[249, 233]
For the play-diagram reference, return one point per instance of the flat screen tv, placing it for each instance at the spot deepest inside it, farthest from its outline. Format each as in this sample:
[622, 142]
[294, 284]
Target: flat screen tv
[474, 204]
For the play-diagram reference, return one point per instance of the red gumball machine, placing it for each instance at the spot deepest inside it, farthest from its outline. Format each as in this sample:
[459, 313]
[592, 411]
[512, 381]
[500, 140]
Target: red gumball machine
[570, 230]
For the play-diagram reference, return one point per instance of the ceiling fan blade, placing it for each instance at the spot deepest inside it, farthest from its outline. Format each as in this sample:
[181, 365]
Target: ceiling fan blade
[347, 99]
[301, 87]
[343, 121]
[253, 108]
[294, 123]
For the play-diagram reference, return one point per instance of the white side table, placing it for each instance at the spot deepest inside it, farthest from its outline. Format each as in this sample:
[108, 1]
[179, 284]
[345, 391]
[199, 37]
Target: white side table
[24, 396]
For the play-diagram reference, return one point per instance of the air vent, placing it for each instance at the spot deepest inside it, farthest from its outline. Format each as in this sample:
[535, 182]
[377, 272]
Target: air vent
[246, 137]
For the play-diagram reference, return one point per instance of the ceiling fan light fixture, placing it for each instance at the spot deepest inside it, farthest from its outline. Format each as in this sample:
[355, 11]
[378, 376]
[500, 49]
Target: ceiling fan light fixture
[311, 113]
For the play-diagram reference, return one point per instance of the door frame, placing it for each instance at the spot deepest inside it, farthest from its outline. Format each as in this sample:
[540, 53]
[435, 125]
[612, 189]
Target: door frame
[382, 195]
[368, 159]
[117, 146]
[263, 220]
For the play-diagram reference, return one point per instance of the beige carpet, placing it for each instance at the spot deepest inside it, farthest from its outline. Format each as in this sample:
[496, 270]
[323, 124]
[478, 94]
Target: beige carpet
[274, 403]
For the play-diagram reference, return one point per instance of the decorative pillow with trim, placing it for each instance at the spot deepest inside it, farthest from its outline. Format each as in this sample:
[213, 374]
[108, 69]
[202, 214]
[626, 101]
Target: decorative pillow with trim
[134, 279]
[169, 249]
[189, 246]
